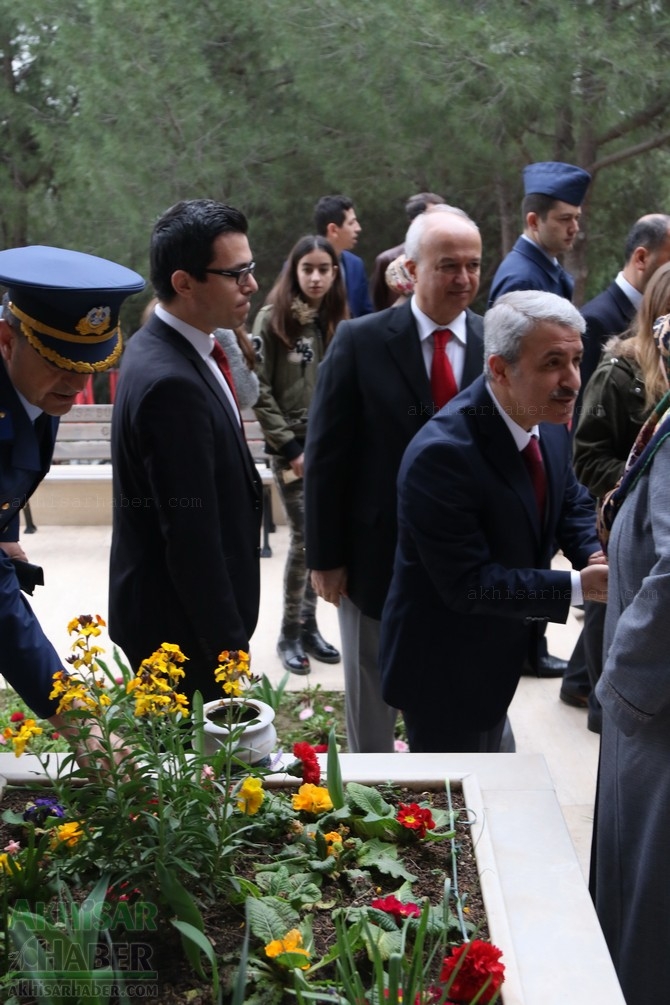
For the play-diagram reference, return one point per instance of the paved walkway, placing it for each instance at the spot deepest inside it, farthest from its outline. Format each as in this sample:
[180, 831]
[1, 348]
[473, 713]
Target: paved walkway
[75, 566]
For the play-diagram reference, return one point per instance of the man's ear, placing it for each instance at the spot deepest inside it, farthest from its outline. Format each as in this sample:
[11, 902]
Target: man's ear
[410, 266]
[532, 220]
[499, 368]
[640, 259]
[332, 230]
[182, 282]
[7, 338]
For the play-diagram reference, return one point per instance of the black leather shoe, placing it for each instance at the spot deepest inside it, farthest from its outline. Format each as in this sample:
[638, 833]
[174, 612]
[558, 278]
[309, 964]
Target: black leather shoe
[292, 655]
[547, 666]
[573, 696]
[314, 644]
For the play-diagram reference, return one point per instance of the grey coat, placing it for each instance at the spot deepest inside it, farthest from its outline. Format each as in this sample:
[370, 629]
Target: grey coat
[632, 836]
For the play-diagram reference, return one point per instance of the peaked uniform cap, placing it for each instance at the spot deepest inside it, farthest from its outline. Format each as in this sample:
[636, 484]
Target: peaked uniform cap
[565, 182]
[68, 304]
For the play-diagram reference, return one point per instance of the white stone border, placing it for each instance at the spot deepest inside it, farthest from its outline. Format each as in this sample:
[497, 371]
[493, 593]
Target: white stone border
[539, 909]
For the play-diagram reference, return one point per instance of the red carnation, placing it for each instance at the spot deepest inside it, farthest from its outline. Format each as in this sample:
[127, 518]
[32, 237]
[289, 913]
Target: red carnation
[17, 717]
[391, 905]
[414, 818]
[480, 961]
[311, 772]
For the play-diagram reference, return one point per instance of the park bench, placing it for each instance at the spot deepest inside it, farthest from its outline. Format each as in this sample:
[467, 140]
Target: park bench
[82, 454]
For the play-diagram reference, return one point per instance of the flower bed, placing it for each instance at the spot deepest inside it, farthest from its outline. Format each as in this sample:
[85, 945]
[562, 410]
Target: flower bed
[166, 837]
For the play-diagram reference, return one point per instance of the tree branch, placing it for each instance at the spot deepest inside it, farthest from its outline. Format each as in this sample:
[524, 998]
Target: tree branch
[641, 118]
[622, 155]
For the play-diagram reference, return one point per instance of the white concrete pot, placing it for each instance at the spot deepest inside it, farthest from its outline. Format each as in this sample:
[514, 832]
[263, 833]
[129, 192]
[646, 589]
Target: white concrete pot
[259, 737]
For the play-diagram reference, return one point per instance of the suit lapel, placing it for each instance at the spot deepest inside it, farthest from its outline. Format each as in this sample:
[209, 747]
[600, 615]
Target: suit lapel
[187, 350]
[622, 304]
[499, 448]
[403, 344]
[474, 351]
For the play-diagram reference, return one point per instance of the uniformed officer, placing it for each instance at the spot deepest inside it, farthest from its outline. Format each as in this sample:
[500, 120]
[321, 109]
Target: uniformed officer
[551, 210]
[60, 323]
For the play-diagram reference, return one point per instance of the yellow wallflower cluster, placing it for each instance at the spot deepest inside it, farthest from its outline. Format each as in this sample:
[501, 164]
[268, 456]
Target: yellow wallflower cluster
[233, 672]
[85, 627]
[20, 737]
[74, 692]
[312, 799]
[250, 796]
[66, 834]
[153, 685]
[291, 943]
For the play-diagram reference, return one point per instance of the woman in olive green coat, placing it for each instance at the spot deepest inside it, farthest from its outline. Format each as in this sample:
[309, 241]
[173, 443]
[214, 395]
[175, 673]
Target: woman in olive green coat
[291, 333]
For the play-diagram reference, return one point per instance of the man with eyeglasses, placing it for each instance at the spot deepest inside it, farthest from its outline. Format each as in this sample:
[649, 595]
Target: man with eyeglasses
[184, 564]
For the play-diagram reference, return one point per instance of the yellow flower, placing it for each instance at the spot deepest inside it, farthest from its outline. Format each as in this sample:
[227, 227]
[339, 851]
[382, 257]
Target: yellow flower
[67, 834]
[312, 799]
[4, 863]
[250, 796]
[291, 943]
[233, 671]
[333, 840]
[23, 734]
[86, 624]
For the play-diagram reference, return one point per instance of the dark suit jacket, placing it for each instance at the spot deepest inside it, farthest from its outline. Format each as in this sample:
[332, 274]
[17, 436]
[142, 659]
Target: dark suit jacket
[27, 658]
[356, 282]
[610, 313]
[472, 568]
[528, 268]
[184, 564]
[372, 396]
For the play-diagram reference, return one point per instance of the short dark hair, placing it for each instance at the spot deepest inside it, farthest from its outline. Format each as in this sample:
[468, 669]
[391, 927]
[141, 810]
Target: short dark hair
[417, 203]
[536, 202]
[183, 238]
[650, 232]
[330, 209]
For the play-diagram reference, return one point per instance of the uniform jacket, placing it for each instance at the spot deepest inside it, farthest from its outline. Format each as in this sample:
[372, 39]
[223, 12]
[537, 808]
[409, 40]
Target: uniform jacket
[372, 396]
[184, 565]
[472, 570]
[610, 313]
[27, 659]
[613, 410]
[356, 282]
[526, 267]
[287, 382]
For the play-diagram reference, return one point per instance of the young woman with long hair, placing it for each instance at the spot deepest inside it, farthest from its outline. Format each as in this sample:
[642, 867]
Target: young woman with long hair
[291, 333]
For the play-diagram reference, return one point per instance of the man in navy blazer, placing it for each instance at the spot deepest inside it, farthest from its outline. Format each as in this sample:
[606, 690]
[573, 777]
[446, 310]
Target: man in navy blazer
[373, 394]
[472, 573]
[335, 219]
[647, 247]
[184, 564]
[553, 194]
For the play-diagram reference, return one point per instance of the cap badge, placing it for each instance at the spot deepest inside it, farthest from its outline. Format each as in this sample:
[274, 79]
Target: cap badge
[96, 322]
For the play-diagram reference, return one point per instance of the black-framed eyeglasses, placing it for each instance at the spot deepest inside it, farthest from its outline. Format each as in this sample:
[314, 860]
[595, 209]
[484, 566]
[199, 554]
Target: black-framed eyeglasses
[239, 275]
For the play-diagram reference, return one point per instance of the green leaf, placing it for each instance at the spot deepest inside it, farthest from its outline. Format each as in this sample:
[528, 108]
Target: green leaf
[196, 937]
[271, 918]
[384, 857]
[334, 773]
[381, 942]
[186, 910]
[368, 800]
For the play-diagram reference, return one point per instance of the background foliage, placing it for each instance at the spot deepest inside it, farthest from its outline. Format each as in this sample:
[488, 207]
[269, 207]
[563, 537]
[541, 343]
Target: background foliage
[111, 110]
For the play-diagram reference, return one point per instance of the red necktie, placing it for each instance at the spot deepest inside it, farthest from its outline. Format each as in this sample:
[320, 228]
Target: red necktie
[533, 459]
[442, 381]
[222, 362]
